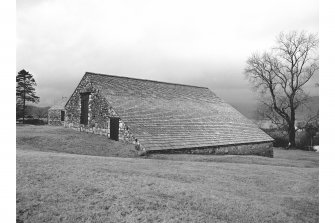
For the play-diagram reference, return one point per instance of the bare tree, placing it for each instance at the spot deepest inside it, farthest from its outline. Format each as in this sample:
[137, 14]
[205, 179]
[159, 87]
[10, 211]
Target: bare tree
[281, 74]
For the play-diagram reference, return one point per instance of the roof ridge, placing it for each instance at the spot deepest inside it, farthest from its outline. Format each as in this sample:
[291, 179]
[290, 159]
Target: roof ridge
[162, 82]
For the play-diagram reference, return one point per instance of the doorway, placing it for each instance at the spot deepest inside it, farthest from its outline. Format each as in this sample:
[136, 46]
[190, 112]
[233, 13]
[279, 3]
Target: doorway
[84, 108]
[114, 128]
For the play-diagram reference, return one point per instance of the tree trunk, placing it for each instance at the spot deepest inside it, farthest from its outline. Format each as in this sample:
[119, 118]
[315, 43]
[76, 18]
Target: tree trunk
[24, 107]
[24, 99]
[291, 132]
[291, 127]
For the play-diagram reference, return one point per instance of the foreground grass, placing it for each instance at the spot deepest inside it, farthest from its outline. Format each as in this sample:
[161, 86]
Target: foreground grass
[61, 187]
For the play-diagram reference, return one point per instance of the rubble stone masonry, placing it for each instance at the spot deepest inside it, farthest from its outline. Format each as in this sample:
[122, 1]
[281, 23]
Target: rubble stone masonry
[99, 113]
[259, 149]
[54, 117]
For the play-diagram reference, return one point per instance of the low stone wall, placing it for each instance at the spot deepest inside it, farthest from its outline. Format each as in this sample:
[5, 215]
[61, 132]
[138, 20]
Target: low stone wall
[258, 149]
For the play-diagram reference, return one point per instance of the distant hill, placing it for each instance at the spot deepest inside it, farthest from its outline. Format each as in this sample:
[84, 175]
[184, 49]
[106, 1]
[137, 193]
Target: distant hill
[249, 109]
[37, 112]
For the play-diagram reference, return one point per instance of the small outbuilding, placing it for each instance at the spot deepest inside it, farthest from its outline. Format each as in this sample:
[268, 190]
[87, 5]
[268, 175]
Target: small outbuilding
[162, 117]
[56, 114]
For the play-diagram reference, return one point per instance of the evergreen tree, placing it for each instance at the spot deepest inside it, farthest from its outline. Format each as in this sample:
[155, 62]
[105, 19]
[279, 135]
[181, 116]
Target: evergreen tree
[25, 91]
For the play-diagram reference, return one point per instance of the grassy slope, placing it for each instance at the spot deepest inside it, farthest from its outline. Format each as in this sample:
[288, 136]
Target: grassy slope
[55, 187]
[59, 139]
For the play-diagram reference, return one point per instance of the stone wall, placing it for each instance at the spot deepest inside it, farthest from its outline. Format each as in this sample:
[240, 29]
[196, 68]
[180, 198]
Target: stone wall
[54, 117]
[259, 149]
[124, 132]
[99, 113]
[125, 135]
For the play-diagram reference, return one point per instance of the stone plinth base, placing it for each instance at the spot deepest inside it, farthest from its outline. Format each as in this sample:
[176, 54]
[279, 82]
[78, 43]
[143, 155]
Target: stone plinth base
[258, 149]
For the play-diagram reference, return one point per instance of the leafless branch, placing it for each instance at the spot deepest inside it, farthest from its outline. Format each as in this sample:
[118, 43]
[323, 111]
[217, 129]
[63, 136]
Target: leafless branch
[282, 73]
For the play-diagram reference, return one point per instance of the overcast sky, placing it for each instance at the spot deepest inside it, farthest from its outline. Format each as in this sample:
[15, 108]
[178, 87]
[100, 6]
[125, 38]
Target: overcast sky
[204, 43]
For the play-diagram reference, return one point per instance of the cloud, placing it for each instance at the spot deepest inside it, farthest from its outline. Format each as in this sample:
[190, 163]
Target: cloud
[204, 43]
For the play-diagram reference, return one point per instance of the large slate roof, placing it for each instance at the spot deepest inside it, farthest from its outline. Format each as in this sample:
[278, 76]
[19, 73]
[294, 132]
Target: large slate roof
[174, 116]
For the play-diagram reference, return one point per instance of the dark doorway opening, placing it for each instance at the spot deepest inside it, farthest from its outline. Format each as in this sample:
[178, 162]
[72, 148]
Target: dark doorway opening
[114, 128]
[84, 108]
[62, 115]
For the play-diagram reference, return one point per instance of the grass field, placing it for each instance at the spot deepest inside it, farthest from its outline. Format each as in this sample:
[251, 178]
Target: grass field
[55, 184]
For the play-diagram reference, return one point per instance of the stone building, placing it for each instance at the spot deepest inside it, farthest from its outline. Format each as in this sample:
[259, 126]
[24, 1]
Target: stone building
[162, 117]
[56, 114]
